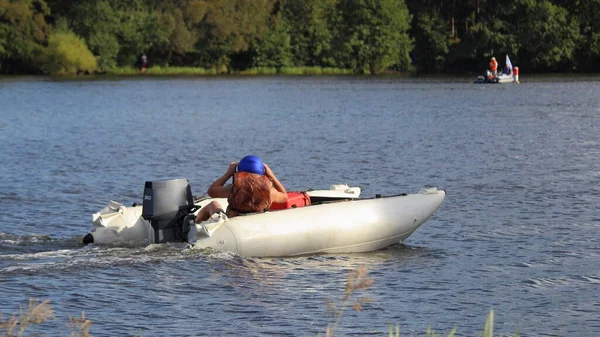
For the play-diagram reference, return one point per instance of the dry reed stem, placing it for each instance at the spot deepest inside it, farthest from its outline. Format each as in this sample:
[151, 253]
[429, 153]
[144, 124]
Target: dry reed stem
[488, 327]
[36, 313]
[39, 312]
[356, 280]
[80, 326]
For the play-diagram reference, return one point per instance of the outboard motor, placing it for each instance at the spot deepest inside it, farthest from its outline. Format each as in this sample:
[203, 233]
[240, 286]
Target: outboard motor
[168, 205]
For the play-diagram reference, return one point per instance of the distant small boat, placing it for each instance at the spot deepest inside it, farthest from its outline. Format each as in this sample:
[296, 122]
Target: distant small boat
[511, 77]
[315, 221]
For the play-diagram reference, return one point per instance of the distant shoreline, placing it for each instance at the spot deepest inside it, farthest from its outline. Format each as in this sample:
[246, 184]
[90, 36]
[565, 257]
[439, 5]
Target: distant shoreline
[157, 72]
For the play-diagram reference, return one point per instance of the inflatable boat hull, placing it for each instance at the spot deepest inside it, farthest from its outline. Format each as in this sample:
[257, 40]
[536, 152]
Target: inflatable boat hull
[349, 226]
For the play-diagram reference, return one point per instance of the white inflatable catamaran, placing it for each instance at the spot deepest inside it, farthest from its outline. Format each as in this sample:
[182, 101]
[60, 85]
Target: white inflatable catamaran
[313, 221]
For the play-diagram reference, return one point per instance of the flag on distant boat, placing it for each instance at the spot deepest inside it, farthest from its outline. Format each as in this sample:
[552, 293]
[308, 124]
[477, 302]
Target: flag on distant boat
[508, 64]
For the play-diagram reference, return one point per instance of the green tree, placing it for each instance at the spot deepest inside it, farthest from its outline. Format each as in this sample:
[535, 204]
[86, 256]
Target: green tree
[548, 38]
[310, 31]
[229, 28]
[432, 41]
[67, 54]
[23, 33]
[172, 30]
[373, 35]
[486, 30]
[132, 29]
[587, 13]
[274, 49]
[487, 39]
[116, 32]
[102, 38]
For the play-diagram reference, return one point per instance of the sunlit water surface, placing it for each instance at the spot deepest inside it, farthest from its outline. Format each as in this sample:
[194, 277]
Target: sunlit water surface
[517, 233]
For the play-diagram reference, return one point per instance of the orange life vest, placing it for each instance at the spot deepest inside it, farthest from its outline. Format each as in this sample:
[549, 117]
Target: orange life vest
[493, 65]
[250, 193]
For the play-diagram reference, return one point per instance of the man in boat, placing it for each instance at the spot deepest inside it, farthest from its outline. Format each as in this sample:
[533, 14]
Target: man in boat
[254, 188]
[494, 66]
[507, 70]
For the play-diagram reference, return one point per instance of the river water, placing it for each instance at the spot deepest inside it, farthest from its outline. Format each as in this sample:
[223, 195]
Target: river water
[518, 232]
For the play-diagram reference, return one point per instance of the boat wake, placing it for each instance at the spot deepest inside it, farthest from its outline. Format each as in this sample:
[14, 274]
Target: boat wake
[11, 239]
[34, 254]
[38, 254]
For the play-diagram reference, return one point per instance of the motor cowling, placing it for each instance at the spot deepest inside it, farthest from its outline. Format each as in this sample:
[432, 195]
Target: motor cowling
[167, 206]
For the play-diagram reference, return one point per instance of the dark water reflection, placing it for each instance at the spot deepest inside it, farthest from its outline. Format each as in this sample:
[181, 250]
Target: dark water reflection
[517, 232]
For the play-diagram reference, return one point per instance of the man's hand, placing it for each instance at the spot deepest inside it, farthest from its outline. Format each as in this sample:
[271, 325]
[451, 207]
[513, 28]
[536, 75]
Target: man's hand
[232, 168]
[268, 173]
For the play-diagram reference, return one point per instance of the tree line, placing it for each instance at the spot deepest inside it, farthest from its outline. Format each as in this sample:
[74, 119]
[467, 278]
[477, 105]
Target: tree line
[367, 36]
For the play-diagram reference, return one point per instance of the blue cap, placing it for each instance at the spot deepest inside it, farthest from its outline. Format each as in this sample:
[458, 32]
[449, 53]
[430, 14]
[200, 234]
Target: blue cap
[251, 164]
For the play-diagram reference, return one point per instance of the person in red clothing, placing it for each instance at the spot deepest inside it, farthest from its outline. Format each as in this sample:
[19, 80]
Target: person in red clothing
[494, 66]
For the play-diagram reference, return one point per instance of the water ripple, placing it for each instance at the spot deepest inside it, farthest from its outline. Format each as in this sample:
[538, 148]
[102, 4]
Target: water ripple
[517, 232]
